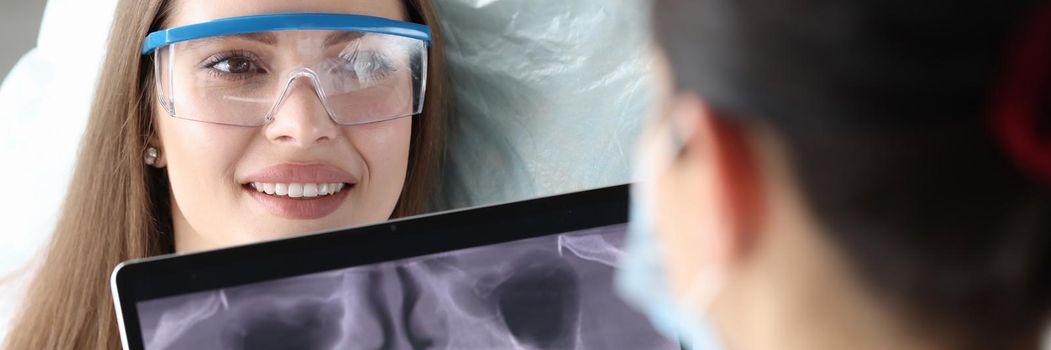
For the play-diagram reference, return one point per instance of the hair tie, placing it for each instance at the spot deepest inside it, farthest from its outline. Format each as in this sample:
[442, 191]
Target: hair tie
[1016, 109]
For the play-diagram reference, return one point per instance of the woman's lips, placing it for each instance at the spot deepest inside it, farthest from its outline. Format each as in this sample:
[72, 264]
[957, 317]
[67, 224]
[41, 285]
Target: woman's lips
[300, 191]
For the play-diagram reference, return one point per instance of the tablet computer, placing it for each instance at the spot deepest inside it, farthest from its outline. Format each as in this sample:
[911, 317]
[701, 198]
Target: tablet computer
[535, 274]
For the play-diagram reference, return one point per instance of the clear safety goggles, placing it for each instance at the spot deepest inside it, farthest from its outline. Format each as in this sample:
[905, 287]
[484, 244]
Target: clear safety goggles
[241, 70]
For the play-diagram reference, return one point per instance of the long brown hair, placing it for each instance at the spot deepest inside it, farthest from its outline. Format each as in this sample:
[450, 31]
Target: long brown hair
[117, 208]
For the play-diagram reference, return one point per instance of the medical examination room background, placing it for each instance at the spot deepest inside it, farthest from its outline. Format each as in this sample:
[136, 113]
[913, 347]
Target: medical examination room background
[548, 96]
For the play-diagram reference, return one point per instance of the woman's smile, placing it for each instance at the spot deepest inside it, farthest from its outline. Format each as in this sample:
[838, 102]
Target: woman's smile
[297, 190]
[300, 191]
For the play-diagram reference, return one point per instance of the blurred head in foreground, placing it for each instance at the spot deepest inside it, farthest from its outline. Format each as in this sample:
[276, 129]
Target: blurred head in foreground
[847, 174]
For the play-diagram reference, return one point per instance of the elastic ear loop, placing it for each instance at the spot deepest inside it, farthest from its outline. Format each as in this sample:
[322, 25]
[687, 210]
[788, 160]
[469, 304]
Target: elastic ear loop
[1016, 108]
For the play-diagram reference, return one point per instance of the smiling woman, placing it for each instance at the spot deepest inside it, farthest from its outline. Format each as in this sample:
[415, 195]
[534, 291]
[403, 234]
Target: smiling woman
[240, 121]
[300, 121]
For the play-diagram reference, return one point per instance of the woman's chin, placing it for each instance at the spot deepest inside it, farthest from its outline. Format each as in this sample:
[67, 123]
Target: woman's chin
[274, 227]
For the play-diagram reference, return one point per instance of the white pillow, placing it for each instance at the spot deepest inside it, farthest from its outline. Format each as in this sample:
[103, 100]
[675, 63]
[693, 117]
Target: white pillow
[44, 103]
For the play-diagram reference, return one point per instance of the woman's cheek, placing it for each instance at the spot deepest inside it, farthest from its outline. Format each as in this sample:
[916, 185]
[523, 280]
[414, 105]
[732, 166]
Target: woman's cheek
[201, 162]
[209, 151]
[384, 148]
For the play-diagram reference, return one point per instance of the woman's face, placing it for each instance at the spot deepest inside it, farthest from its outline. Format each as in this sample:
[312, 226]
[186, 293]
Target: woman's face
[214, 169]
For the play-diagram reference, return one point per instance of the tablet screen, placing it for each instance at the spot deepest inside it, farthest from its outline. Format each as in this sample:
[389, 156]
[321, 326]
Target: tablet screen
[549, 292]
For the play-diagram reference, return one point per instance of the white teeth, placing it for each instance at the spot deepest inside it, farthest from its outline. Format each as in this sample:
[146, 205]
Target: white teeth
[298, 190]
[295, 190]
[309, 190]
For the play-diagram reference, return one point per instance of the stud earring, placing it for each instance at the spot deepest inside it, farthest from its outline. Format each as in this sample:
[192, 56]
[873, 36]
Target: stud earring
[152, 153]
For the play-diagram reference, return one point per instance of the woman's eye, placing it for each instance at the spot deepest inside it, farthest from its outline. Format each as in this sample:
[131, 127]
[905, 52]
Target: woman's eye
[235, 65]
[369, 67]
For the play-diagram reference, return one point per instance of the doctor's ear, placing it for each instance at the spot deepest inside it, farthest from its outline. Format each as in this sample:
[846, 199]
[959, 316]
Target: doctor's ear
[728, 165]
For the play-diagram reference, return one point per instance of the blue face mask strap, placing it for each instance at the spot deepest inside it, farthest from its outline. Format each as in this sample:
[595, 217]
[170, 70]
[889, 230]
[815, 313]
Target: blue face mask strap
[286, 21]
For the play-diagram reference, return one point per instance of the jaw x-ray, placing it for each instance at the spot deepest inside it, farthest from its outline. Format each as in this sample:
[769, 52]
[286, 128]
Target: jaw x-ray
[552, 292]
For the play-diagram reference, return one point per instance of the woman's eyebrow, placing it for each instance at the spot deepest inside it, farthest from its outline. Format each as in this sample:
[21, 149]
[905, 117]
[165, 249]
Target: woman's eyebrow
[264, 37]
[342, 37]
[268, 38]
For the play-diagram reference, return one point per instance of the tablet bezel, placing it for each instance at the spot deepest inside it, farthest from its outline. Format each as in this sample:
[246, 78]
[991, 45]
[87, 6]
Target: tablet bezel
[157, 277]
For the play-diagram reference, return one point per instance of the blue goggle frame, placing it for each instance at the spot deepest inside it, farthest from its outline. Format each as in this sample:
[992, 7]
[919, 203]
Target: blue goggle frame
[286, 21]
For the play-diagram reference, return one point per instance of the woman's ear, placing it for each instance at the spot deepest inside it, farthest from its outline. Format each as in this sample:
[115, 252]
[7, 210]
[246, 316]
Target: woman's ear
[153, 157]
[154, 154]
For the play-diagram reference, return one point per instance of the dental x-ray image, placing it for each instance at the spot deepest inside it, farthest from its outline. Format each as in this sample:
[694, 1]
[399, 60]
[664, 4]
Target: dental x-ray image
[552, 292]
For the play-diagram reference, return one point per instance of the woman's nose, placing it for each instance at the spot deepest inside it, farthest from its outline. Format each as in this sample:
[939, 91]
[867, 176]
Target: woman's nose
[300, 117]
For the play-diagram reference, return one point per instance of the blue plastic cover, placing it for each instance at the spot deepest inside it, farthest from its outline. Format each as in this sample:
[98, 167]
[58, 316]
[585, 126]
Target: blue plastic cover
[548, 95]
